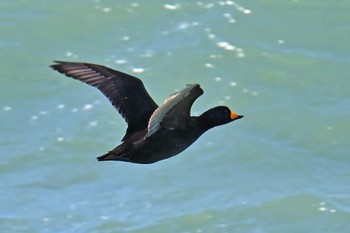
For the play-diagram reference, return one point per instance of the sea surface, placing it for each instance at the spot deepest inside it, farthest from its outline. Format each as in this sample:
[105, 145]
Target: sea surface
[283, 168]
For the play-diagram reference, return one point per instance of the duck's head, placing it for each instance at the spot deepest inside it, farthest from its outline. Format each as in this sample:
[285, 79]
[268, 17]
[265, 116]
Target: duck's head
[219, 115]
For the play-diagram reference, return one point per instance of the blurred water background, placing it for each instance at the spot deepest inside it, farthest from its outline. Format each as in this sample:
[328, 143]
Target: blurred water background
[285, 167]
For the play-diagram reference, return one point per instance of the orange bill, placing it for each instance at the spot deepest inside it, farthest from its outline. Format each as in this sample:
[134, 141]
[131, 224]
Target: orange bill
[235, 116]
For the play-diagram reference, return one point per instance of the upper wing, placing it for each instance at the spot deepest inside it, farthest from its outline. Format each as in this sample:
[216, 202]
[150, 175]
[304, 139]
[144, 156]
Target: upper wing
[175, 111]
[127, 93]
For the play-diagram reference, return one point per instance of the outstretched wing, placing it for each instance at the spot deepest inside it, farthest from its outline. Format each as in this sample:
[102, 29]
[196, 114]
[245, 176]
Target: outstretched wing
[126, 93]
[175, 111]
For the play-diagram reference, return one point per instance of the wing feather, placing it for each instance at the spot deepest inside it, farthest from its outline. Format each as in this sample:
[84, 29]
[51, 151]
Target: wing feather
[126, 93]
[175, 111]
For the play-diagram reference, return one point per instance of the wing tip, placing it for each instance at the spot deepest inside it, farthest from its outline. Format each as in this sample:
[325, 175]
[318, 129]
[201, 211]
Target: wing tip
[57, 65]
[195, 87]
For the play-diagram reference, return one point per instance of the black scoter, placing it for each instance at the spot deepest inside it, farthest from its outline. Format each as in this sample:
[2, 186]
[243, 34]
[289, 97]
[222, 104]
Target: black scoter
[154, 132]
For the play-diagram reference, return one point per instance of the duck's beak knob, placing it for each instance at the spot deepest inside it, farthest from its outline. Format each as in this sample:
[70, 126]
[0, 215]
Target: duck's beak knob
[235, 116]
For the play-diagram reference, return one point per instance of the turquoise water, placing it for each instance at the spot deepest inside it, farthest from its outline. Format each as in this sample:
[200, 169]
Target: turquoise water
[285, 167]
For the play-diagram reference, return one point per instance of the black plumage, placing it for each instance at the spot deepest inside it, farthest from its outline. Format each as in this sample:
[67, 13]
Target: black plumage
[154, 133]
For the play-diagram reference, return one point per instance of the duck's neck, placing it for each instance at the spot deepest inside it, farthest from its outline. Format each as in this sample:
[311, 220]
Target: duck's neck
[204, 123]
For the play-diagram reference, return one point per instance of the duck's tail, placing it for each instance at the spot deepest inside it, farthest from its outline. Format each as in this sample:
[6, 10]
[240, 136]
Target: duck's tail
[119, 153]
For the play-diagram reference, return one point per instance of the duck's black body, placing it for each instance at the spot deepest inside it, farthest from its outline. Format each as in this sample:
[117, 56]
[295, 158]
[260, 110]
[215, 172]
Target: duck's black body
[154, 133]
[162, 145]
